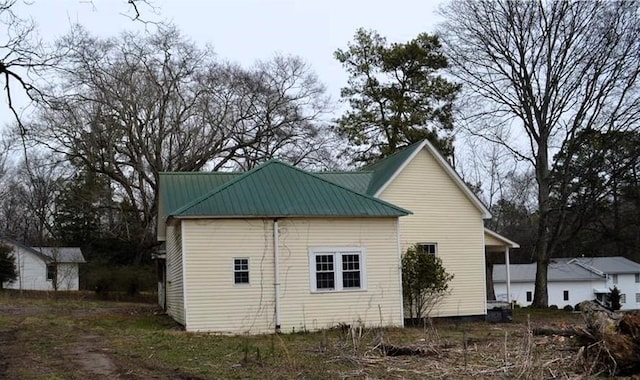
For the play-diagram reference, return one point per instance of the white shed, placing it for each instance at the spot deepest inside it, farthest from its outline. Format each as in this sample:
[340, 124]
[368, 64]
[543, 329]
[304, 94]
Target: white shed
[45, 268]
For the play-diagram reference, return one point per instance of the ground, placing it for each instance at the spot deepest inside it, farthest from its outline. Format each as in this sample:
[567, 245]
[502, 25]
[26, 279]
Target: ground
[53, 338]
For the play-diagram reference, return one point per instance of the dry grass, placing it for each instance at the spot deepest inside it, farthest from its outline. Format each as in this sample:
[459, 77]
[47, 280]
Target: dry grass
[40, 339]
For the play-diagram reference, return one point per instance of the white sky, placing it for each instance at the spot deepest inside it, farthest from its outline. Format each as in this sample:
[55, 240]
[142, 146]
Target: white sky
[247, 30]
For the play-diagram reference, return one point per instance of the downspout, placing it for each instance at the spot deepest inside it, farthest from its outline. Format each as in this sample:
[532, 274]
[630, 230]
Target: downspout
[508, 268]
[276, 275]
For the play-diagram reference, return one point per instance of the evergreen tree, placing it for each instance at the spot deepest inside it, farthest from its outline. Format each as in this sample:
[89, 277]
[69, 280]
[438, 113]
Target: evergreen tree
[8, 271]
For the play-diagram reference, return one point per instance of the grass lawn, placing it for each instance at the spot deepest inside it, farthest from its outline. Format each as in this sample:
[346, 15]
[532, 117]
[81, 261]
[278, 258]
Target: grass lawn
[47, 338]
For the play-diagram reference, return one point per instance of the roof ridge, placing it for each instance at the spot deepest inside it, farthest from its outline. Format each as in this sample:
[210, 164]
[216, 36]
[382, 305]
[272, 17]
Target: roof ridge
[199, 173]
[394, 154]
[289, 166]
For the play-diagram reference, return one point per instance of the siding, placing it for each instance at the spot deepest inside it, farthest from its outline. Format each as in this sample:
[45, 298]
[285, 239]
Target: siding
[216, 304]
[578, 291]
[175, 290]
[442, 214]
[32, 271]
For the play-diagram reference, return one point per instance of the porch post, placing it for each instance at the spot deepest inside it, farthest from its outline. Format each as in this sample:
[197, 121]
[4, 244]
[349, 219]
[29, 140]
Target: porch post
[506, 260]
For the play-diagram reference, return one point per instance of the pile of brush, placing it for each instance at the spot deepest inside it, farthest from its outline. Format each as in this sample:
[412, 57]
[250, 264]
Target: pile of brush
[610, 339]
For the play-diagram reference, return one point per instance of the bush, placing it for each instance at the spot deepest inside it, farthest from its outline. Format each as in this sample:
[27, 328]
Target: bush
[568, 308]
[577, 307]
[104, 279]
[424, 281]
[614, 299]
[553, 307]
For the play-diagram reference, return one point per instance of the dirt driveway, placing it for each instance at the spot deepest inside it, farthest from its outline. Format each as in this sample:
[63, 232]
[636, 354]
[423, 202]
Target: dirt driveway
[55, 342]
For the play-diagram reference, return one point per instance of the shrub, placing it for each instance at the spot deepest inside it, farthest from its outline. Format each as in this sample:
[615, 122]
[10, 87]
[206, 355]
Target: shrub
[553, 307]
[424, 281]
[614, 299]
[568, 308]
[577, 307]
[8, 272]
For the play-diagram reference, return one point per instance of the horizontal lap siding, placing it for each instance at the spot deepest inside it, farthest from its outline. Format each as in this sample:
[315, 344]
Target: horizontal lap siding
[214, 302]
[32, 272]
[443, 214]
[378, 304]
[175, 290]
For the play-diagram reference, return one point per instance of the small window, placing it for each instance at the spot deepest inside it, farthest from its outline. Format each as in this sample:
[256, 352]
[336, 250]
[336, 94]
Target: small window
[51, 272]
[637, 278]
[614, 278]
[565, 295]
[241, 271]
[430, 248]
[638, 297]
[623, 298]
[336, 269]
[529, 296]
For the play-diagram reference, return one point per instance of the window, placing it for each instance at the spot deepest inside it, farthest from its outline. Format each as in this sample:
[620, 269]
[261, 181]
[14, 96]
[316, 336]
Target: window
[241, 271]
[529, 296]
[637, 278]
[623, 298]
[565, 295]
[51, 272]
[336, 269]
[638, 297]
[614, 278]
[430, 248]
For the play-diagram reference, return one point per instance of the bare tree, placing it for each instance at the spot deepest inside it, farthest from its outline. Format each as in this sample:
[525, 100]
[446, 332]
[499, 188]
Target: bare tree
[131, 107]
[549, 70]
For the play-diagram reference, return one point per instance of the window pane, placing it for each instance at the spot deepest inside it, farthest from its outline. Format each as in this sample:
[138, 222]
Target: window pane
[351, 279]
[350, 262]
[325, 280]
[241, 277]
[324, 263]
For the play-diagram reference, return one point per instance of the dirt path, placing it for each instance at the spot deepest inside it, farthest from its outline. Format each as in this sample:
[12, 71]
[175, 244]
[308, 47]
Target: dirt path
[92, 359]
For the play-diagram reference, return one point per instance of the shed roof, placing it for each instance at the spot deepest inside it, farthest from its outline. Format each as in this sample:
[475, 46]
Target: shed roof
[611, 265]
[62, 254]
[278, 189]
[559, 270]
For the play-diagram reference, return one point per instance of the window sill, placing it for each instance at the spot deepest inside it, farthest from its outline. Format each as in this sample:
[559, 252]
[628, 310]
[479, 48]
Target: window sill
[338, 291]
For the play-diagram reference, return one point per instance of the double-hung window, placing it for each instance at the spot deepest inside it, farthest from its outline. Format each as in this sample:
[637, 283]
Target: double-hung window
[241, 271]
[336, 269]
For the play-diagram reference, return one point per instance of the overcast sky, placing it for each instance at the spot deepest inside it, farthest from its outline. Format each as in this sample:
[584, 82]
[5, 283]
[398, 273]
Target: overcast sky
[246, 30]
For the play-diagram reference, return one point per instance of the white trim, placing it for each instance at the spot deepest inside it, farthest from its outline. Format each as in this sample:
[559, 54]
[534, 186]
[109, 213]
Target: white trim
[486, 214]
[495, 235]
[337, 253]
[484, 271]
[400, 271]
[233, 271]
[183, 251]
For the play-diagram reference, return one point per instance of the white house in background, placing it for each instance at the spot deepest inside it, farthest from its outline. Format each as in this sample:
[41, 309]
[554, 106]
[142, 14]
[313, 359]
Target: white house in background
[45, 268]
[571, 281]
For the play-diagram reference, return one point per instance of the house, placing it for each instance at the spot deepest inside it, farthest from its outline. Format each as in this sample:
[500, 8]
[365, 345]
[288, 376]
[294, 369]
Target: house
[573, 280]
[45, 268]
[279, 248]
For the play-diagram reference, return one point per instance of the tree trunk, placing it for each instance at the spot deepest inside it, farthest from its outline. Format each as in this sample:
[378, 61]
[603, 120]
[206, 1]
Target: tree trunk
[541, 297]
[491, 294]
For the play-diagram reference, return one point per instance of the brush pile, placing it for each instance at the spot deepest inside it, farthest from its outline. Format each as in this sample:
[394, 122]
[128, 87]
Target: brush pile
[610, 340]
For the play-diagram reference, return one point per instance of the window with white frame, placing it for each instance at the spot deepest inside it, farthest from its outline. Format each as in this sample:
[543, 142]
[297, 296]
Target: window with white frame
[637, 278]
[51, 272]
[336, 269]
[637, 297]
[430, 248]
[241, 270]
[614, 278]
[623, 298]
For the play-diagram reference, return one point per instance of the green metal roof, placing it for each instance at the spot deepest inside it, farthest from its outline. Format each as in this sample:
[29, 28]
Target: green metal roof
[179, 188]
[278, 189]
[356, 181]
[384, 169]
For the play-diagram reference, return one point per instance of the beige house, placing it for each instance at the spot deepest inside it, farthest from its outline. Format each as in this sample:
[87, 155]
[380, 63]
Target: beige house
[278, 248]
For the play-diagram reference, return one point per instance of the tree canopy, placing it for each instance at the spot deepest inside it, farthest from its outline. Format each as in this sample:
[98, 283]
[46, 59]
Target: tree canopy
[396, 94]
